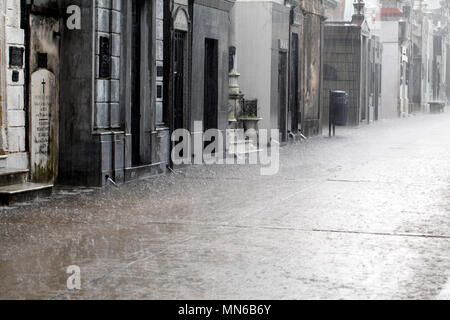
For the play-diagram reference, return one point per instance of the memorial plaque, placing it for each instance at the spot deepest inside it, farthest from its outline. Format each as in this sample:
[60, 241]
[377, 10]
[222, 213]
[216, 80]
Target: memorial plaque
[43, 115]
[159, 91]
[284, 44]
[16, 57]
[105, 58]
[15, 76]
[159, 72]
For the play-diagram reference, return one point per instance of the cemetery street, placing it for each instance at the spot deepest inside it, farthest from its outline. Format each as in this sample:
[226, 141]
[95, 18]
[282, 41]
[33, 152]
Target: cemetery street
[362, 215]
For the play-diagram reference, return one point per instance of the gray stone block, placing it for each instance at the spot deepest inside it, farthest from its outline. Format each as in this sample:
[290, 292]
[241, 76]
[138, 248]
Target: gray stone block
[115, 45]
[115, 91]
[115, 115]
[160, 29]
[115, 68]
[104, 4]
[116, 5]
[101, 116]
[103, 20]
[102, 93]
[115, 22]
[160, 9]
[159, 50]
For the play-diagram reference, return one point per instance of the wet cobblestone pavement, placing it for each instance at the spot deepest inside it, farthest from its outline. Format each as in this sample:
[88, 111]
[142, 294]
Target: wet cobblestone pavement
[364, 215]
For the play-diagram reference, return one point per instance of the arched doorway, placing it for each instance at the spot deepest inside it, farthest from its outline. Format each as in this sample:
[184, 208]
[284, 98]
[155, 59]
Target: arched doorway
[180, 62]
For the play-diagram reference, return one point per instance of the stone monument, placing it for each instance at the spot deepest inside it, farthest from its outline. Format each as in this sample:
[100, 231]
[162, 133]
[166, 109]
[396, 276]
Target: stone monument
[43, 129]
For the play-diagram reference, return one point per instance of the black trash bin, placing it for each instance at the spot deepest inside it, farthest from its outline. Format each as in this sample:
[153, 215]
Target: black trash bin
[338, 108]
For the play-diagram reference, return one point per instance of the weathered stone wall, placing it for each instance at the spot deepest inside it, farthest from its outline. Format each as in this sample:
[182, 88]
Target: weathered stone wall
[312, 72]
[213, 22]
[15, 125]
[80, 156]
[312, 67]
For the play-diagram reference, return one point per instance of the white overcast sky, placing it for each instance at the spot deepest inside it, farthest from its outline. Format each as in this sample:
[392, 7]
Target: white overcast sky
[434, 3]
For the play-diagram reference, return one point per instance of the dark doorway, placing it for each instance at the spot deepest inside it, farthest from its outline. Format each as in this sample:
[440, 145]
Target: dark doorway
[136, 84]
[364, 68]
[282, 107]
[377, 91]
[211, 86]
[178, 80]
[294, 85]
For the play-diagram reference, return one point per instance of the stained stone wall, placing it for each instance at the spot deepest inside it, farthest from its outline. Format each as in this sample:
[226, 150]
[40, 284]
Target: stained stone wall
[312, 69]
[211, 21]
[96, 94]
[80, 155]
[15, 117]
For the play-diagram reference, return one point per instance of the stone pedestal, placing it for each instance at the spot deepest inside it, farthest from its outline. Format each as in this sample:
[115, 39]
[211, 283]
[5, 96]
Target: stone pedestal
[251, 129]
[234, 100]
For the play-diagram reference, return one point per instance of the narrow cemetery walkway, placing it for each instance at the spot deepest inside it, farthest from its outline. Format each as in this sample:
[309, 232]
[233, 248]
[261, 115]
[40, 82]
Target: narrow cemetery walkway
[362, 215]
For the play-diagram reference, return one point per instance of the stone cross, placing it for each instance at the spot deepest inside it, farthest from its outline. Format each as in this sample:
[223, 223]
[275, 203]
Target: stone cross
[43, 86]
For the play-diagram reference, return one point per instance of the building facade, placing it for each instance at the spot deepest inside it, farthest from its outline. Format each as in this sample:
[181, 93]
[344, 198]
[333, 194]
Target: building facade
[441, 38]
[13, 143]
[262, 50]
[395, 34]
[92, 90]
[278, 54]
[197, 51]
[82, 90]
[422, 53]
[352, 63]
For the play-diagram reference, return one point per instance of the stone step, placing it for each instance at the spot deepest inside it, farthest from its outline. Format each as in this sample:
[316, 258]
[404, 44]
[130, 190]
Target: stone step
[12, 176]
[23, 192]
